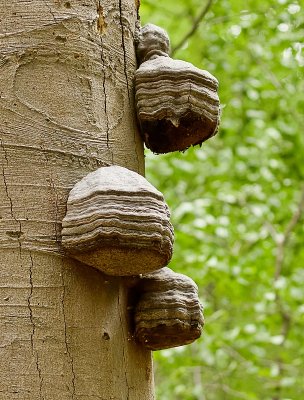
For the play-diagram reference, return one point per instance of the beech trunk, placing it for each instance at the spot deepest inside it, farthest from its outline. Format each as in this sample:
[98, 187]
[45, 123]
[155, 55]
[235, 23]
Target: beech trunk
[66, 109]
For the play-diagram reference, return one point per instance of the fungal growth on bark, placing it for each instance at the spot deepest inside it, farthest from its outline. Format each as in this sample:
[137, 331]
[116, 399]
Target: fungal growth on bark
[168, 312]
[117, 222]
[177, 103]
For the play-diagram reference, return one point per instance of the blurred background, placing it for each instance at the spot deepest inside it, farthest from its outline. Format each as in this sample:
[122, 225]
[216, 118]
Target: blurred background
[237, 202]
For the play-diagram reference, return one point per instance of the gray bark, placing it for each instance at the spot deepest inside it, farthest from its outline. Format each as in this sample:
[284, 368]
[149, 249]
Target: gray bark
[66, 108]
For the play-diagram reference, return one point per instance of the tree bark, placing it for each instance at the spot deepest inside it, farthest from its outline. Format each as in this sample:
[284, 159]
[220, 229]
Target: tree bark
[66, 108]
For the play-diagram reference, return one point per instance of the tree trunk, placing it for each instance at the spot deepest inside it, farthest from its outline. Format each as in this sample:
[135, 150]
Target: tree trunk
[66, 108]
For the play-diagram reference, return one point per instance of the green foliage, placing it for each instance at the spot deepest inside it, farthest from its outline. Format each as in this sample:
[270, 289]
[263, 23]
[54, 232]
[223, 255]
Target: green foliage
[237, 202]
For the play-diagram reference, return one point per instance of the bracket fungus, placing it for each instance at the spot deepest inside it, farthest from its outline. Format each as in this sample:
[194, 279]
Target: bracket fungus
[168, 312]
[117, 222]
[177, 104]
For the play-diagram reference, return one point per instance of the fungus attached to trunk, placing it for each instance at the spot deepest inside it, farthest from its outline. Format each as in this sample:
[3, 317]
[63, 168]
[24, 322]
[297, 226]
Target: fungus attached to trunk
[168, 312]
[117, 222]
[177, 103]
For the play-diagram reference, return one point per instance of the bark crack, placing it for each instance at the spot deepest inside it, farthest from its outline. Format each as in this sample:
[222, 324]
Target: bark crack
[29, 299]
[51, 11]
[122, 324]
[34, 351]
[8, 195]
[56, 224]
[105, 96]
[67, 347]
[4, 179]
[124, 48]
[126, 70]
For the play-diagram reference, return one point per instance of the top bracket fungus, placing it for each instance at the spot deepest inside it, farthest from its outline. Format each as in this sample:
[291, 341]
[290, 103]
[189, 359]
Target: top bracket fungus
[177, 103]
[117, 222]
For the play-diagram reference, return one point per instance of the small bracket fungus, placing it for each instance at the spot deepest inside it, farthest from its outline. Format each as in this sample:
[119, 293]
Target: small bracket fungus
[117, 222]
[168, 312]
[177, 103]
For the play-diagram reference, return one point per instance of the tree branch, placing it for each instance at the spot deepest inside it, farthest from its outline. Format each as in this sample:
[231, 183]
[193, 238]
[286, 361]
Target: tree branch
[195, 26]
[283, 312]
[282, 242]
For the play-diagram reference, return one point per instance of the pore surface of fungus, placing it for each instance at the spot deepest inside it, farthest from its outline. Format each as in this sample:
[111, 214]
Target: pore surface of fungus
[168, 312]
[177, 103]
[117, 222]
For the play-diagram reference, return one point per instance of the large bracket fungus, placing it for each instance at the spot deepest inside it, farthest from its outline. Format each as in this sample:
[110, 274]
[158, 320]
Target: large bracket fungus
[177, 103]
[117, 222]
[168, 312]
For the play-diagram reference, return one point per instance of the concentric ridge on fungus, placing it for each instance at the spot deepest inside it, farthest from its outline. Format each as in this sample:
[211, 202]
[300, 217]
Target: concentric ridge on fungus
[117, 222]
[177, 103]
[168, 312]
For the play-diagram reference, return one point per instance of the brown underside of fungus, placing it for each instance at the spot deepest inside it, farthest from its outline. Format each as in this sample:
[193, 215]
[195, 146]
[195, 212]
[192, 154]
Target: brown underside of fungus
[177, 103]
[168, 312]
[117, 222]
